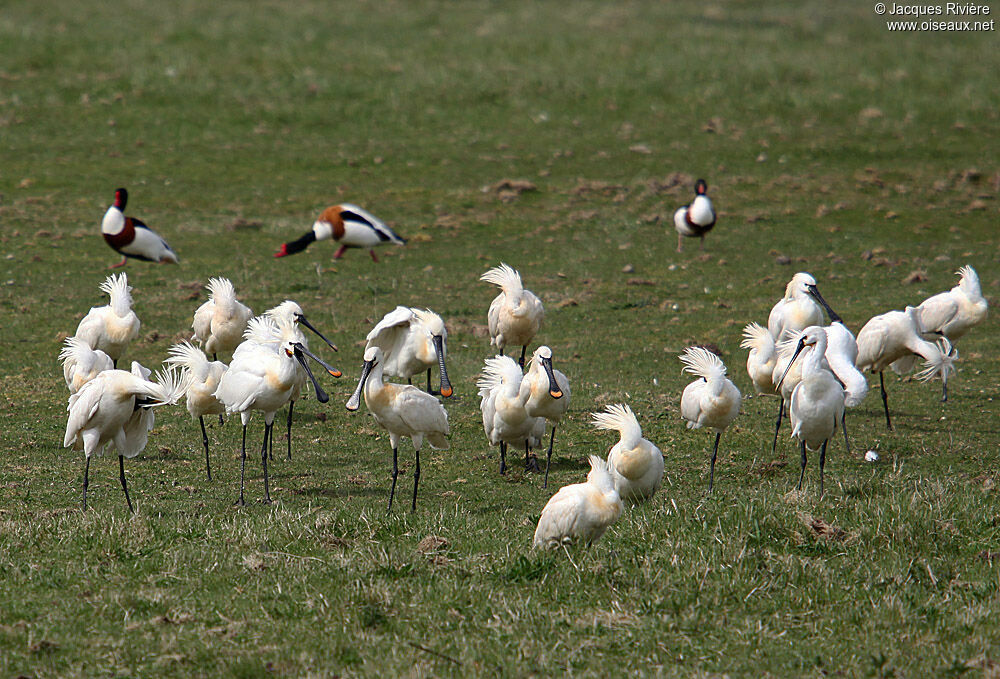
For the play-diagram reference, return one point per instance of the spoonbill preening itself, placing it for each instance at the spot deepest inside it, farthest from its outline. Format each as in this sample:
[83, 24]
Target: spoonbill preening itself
[402, 410]
[952, 314]
[220, 322]
[817, 403]
[130, 237]
[81, 363]
[202, 378]
[580, 512]
[895, 335]
[113, 408]
[350, 227]
[111, 328]
[412, 340]
[505, 418]
[695, 219]
[516, 314]
[548, 395]
[712, 401]
[635, 464]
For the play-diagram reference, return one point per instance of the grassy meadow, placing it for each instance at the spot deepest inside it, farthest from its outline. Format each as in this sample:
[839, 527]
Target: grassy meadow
[560, 138]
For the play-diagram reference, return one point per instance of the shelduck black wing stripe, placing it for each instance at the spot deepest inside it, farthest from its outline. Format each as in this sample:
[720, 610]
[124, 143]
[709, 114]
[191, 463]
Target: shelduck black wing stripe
[138, 223]
[348, 215]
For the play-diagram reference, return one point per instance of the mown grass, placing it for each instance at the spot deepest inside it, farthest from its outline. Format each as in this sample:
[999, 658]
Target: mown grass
[858, 155]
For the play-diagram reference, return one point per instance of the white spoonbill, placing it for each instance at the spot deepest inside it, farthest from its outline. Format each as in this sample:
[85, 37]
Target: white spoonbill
[762, 357]
[697, 218]
[952, 314]
[787, 375]
[888, 337]
[348, 225]
[505, 419]
[547, 395]
[817, 403]
[220, 322]
[842, 355]
[290, 316]
[81, 363]
[202, 377]
[111, 408]
[797, 310]
[112, 327]
[515, 314]
[635, 464]
[412, 340]
[712, 401]
[402, 410]
[580, 512]
[262, 376]
[129, 237]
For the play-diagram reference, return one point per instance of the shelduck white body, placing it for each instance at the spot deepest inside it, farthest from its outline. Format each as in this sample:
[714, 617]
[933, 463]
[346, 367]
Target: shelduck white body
[113, 408]
[762, 357]
[817, 403]
[712, 401]
[548, 394]
[580, 512]
[220, 322]
[635, 464]
[130, 237]
[797, 310]
[348, 225]
[516, 314]
[894, 335]
[505, 419]
[412, 341]
[202, 377]
[112, 327]
[81, 363]
[402, 410]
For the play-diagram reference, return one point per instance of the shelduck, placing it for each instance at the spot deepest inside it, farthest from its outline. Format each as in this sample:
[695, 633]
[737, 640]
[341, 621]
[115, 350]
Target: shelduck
[348, 225]
[130, 237]
[697, 218]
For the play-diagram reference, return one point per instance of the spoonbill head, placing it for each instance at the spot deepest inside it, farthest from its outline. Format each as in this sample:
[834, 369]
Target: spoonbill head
[350, 227]
[412, 340]
[797, 310]
[81, 363]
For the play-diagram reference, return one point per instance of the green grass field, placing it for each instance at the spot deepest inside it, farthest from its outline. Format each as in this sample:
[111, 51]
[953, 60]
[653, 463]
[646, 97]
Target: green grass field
[830, 145]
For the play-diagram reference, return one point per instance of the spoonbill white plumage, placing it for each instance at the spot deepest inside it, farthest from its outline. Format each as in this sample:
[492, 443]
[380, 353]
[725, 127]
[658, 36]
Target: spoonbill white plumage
[402, 410]
[220, 322]
[202, 377]
[81, 363]
[787, 375]
[582, 511]
[797, 310]
[888, 337]
[842, 355]
[262, 376]
[952, 314]
[817, 403]
[113, 408]
[290, 316]
[548, 395]
[635, 464]
[112, 327]
[515, 314]
[505, 419]
[697, 218]
[712, 401]
[762, 357]
[130, 237]
[348, 225]
[412, 340]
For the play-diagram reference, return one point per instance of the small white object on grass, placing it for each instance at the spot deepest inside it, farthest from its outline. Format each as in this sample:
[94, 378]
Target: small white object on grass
[871, 456]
